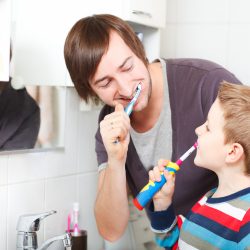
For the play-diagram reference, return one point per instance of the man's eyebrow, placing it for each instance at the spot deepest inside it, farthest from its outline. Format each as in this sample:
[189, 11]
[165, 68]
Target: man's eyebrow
[125, 61]
[120, 67]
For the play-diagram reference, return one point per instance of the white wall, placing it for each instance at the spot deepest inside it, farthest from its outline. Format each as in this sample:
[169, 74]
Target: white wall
[38, 182]
[210, 29]
[53, 180]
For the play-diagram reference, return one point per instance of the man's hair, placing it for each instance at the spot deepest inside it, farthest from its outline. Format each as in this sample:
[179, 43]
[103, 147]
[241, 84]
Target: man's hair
[235, 102]
[88, 41]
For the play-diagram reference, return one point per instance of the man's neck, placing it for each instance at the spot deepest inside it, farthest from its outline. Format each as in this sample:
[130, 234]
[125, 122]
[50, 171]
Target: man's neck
[145, 119]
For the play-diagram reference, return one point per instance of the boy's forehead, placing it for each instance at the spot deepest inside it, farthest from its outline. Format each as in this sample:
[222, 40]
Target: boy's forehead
[216, 112]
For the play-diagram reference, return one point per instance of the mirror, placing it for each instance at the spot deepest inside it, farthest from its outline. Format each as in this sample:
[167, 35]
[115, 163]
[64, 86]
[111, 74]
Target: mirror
[31, 116]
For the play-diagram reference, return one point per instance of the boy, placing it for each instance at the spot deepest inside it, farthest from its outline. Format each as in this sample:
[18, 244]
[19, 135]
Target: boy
[221, 219]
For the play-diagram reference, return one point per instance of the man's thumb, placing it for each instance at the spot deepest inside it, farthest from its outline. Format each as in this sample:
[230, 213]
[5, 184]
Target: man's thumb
[119, 107]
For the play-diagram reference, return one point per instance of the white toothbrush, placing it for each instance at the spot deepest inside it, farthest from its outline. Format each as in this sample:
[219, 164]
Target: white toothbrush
[129, 108]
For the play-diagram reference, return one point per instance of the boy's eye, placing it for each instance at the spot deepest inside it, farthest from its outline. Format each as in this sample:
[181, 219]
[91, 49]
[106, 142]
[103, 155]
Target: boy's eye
[207, 128]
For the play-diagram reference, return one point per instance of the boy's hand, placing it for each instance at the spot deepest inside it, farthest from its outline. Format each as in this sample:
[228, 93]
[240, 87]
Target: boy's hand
[163, 198]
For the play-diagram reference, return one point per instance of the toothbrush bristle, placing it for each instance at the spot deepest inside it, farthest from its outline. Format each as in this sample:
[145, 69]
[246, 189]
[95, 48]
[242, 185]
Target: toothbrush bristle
[138, 90]
[138, 87]
[129, 107]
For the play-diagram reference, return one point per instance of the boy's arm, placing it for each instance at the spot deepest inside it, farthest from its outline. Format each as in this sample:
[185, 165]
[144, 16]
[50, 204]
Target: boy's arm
[160, 211]
[164, 225]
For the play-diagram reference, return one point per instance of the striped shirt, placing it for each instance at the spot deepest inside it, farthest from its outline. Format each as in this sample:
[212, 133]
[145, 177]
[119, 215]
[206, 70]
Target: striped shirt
[212, 223]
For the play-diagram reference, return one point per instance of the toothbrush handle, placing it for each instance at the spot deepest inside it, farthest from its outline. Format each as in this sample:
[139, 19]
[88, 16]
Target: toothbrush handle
[128, 109]
[147, 193]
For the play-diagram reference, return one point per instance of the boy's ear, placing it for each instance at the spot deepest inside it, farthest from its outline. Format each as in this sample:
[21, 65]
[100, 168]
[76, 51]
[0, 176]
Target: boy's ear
[234, 153]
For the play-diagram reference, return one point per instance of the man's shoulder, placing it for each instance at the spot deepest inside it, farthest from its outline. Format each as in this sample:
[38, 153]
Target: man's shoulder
[195, 63]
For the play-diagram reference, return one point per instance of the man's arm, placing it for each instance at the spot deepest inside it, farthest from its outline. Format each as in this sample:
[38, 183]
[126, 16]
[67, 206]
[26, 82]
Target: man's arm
[111, 207]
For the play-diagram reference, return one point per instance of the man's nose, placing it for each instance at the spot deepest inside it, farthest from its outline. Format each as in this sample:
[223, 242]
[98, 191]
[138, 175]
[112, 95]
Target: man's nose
[124, 89]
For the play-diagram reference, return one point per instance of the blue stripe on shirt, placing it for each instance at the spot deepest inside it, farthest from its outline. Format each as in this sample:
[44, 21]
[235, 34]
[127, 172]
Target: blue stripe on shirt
[244, 231]
[208, 236]
[244, 243]
[214, 227]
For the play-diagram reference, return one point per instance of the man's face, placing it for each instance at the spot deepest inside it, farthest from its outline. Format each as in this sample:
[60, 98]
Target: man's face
[211, 150]
[119, 73]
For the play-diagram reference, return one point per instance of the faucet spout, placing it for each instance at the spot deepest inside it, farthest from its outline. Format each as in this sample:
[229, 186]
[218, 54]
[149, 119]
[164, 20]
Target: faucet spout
[66, 238]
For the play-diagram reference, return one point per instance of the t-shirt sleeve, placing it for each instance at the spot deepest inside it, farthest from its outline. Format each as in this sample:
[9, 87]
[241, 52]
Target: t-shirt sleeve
[211, 85]
[164, 225]
[100, 150]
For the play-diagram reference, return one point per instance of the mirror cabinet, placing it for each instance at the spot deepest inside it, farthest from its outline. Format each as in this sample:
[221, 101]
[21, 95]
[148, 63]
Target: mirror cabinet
[38, 30]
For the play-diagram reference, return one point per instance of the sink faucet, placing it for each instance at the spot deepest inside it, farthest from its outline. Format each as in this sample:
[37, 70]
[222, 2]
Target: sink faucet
[65, 238]
[27, 226]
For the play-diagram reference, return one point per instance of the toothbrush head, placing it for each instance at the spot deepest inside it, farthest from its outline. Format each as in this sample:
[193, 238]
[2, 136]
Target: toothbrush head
[131, 104]
[137, 93]
[129, 108]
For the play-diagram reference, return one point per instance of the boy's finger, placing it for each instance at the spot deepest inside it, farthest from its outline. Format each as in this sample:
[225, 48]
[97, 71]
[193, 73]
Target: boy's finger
[151, 175]
[169, 176]
[157, 173]
[163, 162]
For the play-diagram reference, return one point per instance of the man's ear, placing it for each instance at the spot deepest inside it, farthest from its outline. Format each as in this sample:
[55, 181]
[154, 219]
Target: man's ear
[234, 153]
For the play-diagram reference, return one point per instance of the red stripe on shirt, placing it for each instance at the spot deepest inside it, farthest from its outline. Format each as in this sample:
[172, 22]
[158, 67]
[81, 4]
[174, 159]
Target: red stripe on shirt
[218, 216]
[246, 218]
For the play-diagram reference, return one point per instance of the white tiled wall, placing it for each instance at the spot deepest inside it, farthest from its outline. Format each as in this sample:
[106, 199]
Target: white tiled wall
[38, 182]
[209, 29]
[43, 181]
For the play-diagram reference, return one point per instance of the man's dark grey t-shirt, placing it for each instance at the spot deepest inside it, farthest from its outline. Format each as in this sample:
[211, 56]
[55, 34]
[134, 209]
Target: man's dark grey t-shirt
[193, 86]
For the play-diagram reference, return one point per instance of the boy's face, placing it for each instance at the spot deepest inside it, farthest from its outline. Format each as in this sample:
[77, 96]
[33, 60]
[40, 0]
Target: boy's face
[211, 151]
[119, 73]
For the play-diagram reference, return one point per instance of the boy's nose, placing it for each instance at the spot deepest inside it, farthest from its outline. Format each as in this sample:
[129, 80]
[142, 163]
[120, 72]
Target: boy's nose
[199, 130]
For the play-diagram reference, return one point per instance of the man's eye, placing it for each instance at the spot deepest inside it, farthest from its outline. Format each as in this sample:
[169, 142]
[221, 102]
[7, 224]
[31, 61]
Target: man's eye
[105, 84]
[126, 69]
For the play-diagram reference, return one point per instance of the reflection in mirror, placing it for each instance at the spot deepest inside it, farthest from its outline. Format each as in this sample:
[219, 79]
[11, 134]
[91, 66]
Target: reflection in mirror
[31, 117]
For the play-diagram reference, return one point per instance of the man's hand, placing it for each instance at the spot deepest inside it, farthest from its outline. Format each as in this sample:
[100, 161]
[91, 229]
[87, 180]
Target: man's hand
[115, 134]
[163, 198]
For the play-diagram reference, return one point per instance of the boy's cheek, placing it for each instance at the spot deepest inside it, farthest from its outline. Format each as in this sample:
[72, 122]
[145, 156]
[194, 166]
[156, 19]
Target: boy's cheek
[197, 159]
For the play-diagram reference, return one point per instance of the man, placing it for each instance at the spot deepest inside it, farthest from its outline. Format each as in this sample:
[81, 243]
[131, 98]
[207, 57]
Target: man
[105, 59]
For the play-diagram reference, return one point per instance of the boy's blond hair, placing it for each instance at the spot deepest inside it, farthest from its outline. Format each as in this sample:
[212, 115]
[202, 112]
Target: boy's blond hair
[235, 102]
